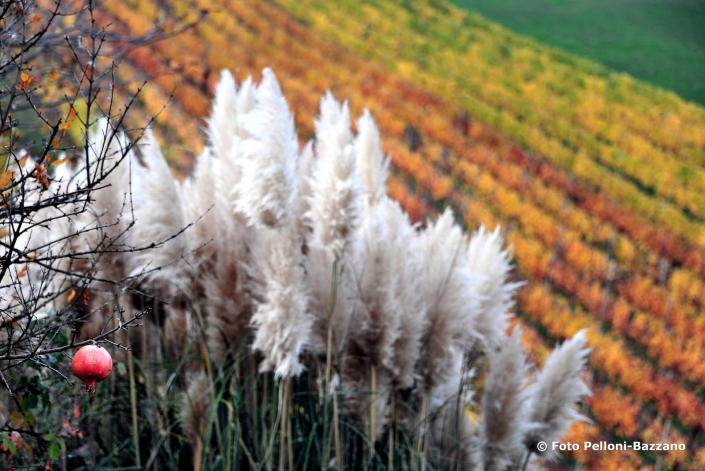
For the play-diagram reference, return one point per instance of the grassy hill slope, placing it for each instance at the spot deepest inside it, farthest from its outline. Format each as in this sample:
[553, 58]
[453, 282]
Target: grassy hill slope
[660, 41]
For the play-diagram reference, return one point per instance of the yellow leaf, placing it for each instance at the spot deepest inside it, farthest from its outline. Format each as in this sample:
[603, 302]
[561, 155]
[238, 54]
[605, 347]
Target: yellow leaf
[16, 419]
[26, 80]
[59, 162]
[71, 296]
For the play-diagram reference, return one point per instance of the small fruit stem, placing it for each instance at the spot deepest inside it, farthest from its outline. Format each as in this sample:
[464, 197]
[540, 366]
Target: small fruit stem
[133, 404]
[90, 386]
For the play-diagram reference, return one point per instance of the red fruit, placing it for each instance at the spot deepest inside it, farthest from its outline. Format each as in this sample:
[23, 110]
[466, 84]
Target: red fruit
[91, 364]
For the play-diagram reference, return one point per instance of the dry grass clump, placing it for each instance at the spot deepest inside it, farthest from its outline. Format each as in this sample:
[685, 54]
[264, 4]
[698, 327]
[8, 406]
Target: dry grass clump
[298, 263]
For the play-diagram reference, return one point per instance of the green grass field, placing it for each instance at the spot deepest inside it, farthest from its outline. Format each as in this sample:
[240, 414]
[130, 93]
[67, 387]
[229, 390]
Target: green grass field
[660, 41]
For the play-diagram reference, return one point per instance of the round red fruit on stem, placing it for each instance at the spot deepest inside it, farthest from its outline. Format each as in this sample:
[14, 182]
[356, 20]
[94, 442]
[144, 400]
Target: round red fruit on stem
[91, 364]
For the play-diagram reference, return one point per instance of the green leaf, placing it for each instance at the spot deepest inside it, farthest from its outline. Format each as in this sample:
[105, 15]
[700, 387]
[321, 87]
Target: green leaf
[29, 420]
[49, 437]
[121, 368]
[30, 402]
[8, 445]
[54, 451]
[46, 400]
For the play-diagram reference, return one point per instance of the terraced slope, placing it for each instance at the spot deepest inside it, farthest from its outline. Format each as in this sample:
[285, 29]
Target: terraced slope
[597, 179]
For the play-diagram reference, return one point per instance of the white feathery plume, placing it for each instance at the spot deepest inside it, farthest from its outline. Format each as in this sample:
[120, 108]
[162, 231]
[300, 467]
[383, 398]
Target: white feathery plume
[304, 173]
[158, 219]
[246, 99]
[305, 170]
[229, 281]
[372, 166]
[449, 391]
[267, 187]
[556, 390]
[377, 259]
[104, 223]
[65, 181]
[413, 319]
[223, 124]
[282, 321]
[448, 289]
[381, 270]
[227, 294]
[335, 188]
[504, 404]
[486, 259]
[198, 199]
[387, 322]
[318, 266]
[103, 226]
[224, 133]
[25, 282]
[111, 205]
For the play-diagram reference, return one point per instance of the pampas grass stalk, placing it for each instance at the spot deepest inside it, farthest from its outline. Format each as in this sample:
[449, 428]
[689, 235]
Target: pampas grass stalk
[459, 409]
[133, 405]
[423, 435]
[373, 406]
[284, 411]
[265, 396]
[289, 433]
[254, 406]
[329, 362]
[336, 431]
[392, 429]
[275, 415]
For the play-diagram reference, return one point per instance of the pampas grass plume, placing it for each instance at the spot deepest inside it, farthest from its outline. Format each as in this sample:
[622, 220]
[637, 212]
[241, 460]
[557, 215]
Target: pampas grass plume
[267, 187]
[159, 218]
[223, 124]
[486, 259]
[372, 166]
[334, 204]
[282, 320]
[556, 390]
[448, 289]
[198, 199]
[504, 404]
